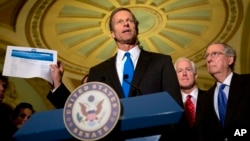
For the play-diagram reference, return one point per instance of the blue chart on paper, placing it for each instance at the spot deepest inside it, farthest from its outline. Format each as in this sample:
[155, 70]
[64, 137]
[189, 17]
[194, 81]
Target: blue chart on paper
[34, 55]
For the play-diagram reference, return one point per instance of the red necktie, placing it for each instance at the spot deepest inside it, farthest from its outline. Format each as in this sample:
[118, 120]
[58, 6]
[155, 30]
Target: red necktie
[189, 110]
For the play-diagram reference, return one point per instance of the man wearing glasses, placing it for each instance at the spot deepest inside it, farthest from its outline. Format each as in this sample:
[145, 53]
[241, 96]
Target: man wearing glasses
[226, 110]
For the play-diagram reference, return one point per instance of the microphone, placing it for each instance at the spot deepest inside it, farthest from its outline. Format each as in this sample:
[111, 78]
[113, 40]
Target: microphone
[102, 79]
[138, 91]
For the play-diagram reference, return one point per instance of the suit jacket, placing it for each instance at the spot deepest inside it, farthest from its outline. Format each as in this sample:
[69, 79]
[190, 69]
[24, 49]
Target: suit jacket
[59, 97]
[154, 73]
[237, 113]
[182, 128]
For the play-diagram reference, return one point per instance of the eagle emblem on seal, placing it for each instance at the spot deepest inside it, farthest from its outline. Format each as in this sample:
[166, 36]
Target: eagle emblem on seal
[91, 110]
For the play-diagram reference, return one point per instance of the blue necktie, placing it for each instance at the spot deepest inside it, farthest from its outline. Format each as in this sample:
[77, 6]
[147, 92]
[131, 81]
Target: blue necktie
[128, 72]
[222, 104]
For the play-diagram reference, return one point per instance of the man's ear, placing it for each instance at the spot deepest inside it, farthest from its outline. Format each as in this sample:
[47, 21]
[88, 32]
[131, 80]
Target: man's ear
[230, 60]
[112, 34]
[195, 76]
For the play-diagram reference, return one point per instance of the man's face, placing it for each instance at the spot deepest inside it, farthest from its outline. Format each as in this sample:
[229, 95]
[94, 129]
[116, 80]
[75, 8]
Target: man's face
[23, 116]
[124, 28]
[216, 60]
[186, 74]
[3, 86]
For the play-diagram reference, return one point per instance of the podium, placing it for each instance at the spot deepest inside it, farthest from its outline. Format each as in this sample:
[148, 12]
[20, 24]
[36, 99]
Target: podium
[138, 113]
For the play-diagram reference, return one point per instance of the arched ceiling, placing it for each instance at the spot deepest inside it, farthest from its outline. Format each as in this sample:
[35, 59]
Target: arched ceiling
[78, 29]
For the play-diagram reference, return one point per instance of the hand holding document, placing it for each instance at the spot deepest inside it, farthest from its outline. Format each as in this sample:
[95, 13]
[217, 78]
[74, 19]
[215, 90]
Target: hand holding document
[26, 62]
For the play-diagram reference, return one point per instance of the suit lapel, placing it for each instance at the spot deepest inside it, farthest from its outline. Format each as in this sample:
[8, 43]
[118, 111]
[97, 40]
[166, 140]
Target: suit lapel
[140, 70]
[141, 67]
[210, 104]
[113, 76]
[234, 96]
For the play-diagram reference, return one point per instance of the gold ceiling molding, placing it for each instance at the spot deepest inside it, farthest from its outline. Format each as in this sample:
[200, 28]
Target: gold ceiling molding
[234, 18]
[3, 45]
[2, 55]
[10, 10]
[78, 29]
[187, 4]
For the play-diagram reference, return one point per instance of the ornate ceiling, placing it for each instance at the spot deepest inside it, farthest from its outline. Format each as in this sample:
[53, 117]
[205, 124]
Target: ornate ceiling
[78, 29]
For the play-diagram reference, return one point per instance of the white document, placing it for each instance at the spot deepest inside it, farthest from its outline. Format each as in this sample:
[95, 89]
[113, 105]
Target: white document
[26, 62]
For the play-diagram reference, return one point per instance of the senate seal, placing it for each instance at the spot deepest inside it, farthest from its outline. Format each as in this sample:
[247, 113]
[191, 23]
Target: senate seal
[91, 111]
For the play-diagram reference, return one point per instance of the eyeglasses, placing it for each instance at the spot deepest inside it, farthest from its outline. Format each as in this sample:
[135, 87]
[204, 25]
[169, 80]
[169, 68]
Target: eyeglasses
[213, 54]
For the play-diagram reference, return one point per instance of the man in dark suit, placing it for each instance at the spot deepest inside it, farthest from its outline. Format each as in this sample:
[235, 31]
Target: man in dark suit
[187, 75]
[153, 72]
[220, 59]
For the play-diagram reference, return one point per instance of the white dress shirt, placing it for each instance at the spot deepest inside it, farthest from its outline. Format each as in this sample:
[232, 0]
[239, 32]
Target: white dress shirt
[227, 82]
[120, 60]
[194, 95]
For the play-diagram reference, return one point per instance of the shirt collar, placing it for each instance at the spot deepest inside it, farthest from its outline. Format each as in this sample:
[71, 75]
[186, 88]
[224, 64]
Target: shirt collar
[134, 53]
[227, 81]
[194, 94]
